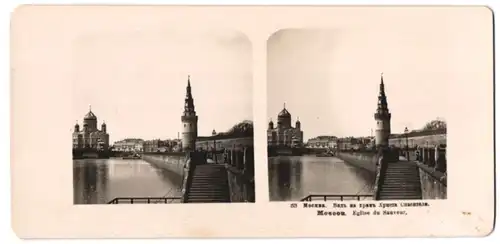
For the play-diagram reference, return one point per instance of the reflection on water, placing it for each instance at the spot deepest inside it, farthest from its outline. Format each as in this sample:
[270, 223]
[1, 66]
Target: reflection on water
[293, 178]
[98, 181]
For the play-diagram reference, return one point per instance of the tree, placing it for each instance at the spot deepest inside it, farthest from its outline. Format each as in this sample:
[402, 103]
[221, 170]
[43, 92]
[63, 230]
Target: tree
[435, 124]
[244, 128]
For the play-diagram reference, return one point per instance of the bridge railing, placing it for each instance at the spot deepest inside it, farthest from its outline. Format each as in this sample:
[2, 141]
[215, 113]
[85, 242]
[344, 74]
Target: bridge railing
[239, 163]
[216, 156]
[433, 157]
[144, 200]
[336, 197]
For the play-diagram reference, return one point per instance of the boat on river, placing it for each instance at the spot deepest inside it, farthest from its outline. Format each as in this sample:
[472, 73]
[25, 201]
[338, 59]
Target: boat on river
[133, 156]
[326, 154]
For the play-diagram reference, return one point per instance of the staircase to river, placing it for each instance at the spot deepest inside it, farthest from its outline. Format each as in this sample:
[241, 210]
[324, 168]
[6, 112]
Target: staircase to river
[401, 181]
[209, 184]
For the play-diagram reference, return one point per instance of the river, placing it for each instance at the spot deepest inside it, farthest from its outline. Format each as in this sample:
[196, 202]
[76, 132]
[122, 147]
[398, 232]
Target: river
[98, 181]
[293, 178]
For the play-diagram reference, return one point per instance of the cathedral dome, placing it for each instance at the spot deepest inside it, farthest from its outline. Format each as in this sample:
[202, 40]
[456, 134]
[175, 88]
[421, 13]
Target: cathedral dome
[284, 113]
[90, 115]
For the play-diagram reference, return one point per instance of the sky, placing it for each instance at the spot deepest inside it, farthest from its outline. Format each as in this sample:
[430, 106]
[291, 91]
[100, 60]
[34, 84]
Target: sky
[330, 78]
[136, 82]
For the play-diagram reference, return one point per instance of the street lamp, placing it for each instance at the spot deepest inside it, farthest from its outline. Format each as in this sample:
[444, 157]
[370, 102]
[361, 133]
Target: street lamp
[407, 148]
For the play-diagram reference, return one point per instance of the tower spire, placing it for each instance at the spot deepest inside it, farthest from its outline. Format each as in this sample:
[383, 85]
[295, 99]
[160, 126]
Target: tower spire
[188, 101]
[189, 120]
[382, 90]
[90, 108]
[383, 117]
[382, 99]
[284, 105]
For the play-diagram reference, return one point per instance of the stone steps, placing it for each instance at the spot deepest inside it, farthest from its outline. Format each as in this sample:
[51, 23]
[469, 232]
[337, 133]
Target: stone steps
[209, 184]
[401, 182]
[215, 180]
[414, 197]
[399, 191]
[208, 196]
[208, 201]
[208, 187]
[403, 188]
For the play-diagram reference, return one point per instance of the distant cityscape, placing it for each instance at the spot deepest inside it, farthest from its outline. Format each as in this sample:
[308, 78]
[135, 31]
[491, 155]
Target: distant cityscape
[213, 168]
[91, 137]
[236, 135]
[432, 134]
[140, 145]
[407, 165]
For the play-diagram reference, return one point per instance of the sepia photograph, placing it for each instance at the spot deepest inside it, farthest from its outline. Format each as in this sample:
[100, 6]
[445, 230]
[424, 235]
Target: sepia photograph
[353, 118]
[334, 124]
[153, 124]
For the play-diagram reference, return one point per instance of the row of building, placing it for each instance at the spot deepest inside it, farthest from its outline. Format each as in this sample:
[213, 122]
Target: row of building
[423, 138]
[340, 143]
[140, 145]
[90, 136]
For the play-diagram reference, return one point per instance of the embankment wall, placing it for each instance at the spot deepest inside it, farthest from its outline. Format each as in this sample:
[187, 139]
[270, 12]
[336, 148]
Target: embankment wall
[172, 165]
[364, 160]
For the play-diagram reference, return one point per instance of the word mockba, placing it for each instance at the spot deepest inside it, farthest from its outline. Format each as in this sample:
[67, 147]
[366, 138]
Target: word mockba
[360, 209]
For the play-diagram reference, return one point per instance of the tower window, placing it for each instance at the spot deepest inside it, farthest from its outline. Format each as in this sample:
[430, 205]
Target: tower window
[184, 125]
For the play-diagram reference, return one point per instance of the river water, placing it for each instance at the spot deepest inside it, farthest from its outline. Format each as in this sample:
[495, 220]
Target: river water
[98, 181]
[293, 178]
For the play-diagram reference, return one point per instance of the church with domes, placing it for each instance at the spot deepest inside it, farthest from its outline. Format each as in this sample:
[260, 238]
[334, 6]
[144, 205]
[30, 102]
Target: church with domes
[284, 134]
[90, 136]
